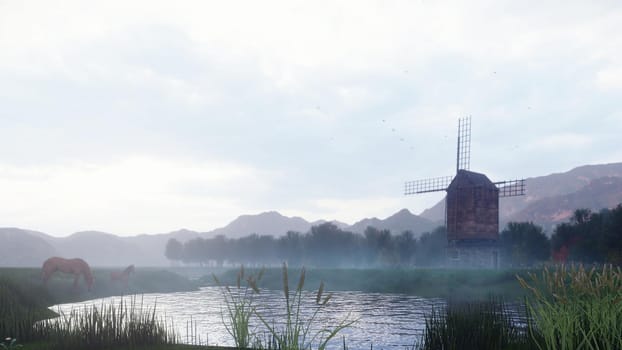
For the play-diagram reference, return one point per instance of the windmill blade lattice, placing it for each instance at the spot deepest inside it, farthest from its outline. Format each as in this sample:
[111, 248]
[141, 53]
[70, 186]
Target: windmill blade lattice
[463, 159]
[427, 185]
[511, 188]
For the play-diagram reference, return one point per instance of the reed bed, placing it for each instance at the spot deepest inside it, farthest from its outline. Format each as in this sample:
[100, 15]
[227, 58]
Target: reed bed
[474, 325]
[128, 324]
[295, 332]
[575, 308]
[239, 304]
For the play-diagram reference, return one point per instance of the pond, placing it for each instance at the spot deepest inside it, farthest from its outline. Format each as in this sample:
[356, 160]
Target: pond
[386, 321]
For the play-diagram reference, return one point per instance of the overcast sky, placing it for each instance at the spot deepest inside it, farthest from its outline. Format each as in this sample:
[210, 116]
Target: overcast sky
[143, 116]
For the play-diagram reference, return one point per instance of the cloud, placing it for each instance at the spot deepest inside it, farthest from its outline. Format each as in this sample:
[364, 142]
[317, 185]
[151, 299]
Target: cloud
[610, 79]
[131, 195]
[336, 100]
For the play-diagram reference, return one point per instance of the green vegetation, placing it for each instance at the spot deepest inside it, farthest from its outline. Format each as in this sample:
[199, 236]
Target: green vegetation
[574, 308]
[590, 237]
[325, 245]
[240, 307]
[429, 283]
[474, 325]
[60, 286]
[24, 312]
[295, 333]
[108, 326]
[567, 308]
[523, 244]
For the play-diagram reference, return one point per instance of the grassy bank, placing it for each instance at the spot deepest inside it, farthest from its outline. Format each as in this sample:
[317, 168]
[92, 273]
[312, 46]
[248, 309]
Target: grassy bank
[432, 283]
[60, 286]
[24, 301]
[569, 308]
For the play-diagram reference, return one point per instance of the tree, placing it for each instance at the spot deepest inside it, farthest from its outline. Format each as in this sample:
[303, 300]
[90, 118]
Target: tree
[431, 248]
[174, 250]
[378, 244]
[406, 244]
[523, 244]
[590, 237]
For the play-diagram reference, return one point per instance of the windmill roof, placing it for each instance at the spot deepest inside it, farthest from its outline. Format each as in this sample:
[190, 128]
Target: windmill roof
[472, 178]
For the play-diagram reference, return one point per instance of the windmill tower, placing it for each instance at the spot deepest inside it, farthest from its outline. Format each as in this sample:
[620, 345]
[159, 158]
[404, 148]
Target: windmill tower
[471, 207]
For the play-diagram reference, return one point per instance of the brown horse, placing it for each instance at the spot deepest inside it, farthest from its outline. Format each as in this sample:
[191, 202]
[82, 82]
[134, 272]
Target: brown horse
[122, 276]
[76, 267]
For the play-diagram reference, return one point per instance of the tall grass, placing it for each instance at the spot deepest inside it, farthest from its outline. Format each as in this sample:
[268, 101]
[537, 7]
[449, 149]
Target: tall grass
[24, 312]
[293, 332]
[128, 324]
[473, 325]
[575, 308]
[297, 332]
[240, 307]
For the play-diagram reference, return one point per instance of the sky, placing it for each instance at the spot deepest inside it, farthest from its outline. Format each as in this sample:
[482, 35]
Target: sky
[137, 117]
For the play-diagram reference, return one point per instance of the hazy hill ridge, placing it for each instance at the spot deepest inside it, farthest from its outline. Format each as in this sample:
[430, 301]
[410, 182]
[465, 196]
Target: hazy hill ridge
[106, 249]
[550, 199]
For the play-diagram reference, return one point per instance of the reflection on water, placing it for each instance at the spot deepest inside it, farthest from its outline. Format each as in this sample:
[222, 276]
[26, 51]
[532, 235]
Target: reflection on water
[387, 321]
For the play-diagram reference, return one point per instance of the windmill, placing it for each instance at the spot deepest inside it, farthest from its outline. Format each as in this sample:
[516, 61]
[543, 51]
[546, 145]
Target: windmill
[471, 206]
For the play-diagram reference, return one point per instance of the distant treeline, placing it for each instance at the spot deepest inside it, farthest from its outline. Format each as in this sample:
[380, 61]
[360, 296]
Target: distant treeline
[587, 237]
[325, 245]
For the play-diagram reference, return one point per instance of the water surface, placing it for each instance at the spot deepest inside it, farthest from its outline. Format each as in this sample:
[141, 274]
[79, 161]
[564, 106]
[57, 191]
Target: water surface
[388, 321]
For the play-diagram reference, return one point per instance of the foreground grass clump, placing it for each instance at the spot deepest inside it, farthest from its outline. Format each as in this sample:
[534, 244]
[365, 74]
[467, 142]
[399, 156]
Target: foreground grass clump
[296, 332]
[24, 312]
[575, 308]
[127, 324]
[293, 331]
[240, 308]
[474, 325]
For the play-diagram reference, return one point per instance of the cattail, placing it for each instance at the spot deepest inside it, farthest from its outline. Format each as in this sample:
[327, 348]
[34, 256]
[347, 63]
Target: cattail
[301, 281]
[319, 293]
[260, 274]
[285, 283]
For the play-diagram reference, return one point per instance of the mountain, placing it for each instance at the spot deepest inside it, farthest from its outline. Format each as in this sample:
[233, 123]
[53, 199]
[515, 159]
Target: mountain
[549, 198]
[19, 248]
[106, 249]
[268, 223]
[397, 223]
[600, 193]
[102, 249]
[147, 244]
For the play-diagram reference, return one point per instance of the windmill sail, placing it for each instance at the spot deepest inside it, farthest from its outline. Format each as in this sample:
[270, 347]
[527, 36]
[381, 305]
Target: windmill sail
[463, 158]
[511, 188]
[427, 185]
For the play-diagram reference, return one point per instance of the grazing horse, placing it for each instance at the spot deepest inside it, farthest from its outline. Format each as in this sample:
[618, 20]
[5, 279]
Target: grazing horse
[76, 267]
[122, 276]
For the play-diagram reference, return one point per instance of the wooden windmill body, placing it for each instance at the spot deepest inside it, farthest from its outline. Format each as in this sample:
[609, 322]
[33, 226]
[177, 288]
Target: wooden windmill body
[471, 207]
